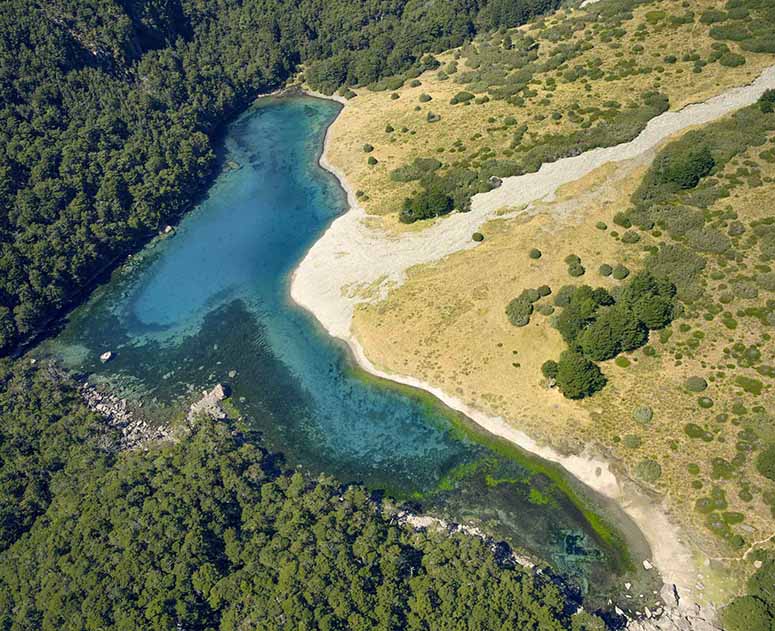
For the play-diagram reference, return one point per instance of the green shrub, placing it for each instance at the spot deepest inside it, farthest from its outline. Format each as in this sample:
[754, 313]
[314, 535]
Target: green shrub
[416, 170]
[705, 402]
[632, 441]
[684, 167]
[643, 414]
[549, 369]
[415, 83]
[767, 102]
[572, 259]
[389, 129]
[367, 148]
[620, 272]
[765, 462]
[461, 97]
[425, 205]
[477, 236]
[520, 309]
[395, 96]
[731, 60]
[424, 98]
[576, 270]
[601, 225]
[630, 237]
[751, 386]
[544, 290]
[577, 377]
[605, 270]
[372, 161]
[696, 384]
[433, 118]
[746, 613]
[648, 470]
[534, 254]
[713, 16]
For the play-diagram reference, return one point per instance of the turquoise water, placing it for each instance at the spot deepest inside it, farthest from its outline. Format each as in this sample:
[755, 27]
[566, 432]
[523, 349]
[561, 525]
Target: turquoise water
[210, 304]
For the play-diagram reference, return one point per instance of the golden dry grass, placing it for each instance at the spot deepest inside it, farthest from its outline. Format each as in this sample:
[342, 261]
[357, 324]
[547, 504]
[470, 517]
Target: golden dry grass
[365, 117]
[447, 326]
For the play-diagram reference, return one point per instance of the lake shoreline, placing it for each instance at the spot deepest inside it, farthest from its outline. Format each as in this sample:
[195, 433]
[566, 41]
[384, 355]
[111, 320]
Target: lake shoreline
[672, 556]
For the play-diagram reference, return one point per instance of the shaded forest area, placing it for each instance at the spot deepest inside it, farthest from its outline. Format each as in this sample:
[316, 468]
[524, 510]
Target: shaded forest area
[109, 110]
[214, 533]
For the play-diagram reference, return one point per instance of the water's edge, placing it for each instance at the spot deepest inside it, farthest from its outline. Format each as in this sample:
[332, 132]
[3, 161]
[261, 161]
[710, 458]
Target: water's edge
[672, 555]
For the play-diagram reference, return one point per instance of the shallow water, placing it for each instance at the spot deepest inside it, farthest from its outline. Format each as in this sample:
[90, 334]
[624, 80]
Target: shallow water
[210, 304]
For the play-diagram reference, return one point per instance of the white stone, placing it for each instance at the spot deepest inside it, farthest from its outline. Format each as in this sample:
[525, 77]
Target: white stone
[106, 356]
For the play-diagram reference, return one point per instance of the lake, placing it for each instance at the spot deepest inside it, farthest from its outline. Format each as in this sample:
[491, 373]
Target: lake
[210, 304]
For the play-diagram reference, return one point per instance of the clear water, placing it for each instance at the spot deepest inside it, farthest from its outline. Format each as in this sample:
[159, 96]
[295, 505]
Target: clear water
[211, 304]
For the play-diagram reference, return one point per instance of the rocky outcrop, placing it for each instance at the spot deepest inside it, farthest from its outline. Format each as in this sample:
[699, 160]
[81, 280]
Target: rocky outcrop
[209, 404]
[136, 433]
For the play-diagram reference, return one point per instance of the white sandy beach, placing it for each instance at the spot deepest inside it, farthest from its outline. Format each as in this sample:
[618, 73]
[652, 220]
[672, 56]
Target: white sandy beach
[351, 256]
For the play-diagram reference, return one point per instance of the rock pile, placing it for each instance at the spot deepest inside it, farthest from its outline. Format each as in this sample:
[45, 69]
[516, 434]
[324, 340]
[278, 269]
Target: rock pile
[135, 432]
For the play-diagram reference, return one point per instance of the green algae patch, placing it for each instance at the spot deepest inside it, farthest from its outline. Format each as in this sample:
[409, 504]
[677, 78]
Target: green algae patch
[606, 535]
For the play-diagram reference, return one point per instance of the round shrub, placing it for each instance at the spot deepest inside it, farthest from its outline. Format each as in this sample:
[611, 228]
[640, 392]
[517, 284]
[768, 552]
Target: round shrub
[395, 96]
[372, 161]
[461, 97]
[705, 402]
[367, 148]
[765, 462]
[389, 129]
[605, 270]
[601, 225]
[545, 310]
[424, 98]
[477, 236]
[415, 83]
[643, 414]
[544, 290]
[433, 118]
[519, 310]
[620, 272]
[577, 377]
[696, 384]
[572, 259]
[576, 270]
[632, 441]
[648, 470]
[630, 237]
[534, 254]
[692, 430]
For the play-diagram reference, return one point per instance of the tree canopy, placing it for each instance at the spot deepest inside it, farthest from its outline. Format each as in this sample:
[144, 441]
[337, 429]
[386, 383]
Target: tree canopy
[213, 533]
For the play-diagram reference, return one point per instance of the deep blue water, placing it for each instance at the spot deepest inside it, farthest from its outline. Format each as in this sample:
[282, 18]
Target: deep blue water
[211, 305]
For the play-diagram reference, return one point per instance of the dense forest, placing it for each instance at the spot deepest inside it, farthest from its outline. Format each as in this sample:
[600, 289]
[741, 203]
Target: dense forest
[110, 110]
[213, 533]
